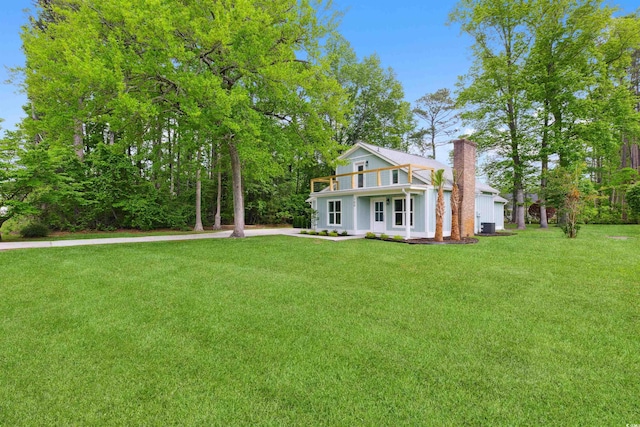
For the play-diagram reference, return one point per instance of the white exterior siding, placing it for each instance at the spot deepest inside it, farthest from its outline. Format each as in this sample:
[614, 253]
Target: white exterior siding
[499, 215]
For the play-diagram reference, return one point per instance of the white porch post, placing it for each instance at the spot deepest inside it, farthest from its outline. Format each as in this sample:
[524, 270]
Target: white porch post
[407, 215]
[355, 214]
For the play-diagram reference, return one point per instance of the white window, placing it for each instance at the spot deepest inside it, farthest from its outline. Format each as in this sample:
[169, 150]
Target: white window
[360, 168]
[395, 176]
[399, 210]
[335, 212]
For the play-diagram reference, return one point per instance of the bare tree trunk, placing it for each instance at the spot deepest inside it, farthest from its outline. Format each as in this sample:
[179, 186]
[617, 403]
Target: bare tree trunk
[439, 215]
[455, 210]
[171, 158]
[78, 135]
[78, 144]
[238, 197]
[544, 221]
[520, 209]
[198, 226]
[217, 225]
[38, 138]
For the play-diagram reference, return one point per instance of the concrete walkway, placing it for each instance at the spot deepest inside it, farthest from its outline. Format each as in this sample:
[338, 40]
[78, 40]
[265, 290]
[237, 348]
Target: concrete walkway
[113, 240]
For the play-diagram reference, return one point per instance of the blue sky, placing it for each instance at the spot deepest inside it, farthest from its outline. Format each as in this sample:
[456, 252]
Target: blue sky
[410, 36]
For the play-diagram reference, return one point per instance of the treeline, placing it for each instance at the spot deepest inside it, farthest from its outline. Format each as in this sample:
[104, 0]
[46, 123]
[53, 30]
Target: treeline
[183, 114]
[188, 114]
[553, 96]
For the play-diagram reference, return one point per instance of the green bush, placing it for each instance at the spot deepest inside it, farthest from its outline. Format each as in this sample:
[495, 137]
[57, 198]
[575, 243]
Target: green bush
[398, 238]
[304, 232]
[313, 233]
[333, 234]
[344, 233]
[300, 222]
[34, 230]
[384, 236]
[370, 235]
[323, 233]
[633, 199]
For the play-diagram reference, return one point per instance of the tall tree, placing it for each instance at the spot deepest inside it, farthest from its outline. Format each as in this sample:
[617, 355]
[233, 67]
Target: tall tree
[437, 109]
[376, 111]
[494, 91]
[574, 66]
[249, 75]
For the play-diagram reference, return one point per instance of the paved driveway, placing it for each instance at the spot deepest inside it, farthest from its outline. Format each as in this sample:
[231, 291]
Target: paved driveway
[113, 240]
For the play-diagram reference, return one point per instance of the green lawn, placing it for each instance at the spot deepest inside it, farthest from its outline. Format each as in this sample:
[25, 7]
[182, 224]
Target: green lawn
[10, 237]
[530, 329]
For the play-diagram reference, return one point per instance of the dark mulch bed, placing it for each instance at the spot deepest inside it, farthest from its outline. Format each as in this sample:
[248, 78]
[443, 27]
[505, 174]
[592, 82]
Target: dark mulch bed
[447, 241]
[501, 233]
[425, 241]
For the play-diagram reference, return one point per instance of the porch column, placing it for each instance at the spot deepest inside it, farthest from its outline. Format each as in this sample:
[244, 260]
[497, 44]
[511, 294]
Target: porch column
[407, 215]
[355, 214]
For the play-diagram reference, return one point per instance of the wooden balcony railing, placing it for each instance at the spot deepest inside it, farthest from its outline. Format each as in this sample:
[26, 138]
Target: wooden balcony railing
[334, 183]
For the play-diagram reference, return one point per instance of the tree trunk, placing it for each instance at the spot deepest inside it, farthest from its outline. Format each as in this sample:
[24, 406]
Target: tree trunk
[439, 215]
[520, 209]
[78, 134]
[217, 225]
[238, 197]
[78, 140]
[544, 221]
[38, 138]
[455, 209]
[198, 226]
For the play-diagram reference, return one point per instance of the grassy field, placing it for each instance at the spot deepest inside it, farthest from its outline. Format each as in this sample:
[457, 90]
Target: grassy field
[531, 329]
[13, 237]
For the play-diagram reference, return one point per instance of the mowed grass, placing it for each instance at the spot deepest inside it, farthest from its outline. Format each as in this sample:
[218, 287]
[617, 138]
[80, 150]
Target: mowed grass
[12, 237]
[531, 329]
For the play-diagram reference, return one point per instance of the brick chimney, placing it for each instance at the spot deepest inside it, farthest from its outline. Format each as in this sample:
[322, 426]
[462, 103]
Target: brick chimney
[464, 164]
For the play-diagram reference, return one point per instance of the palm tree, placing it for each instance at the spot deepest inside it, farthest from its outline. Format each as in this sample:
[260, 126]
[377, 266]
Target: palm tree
[437, 180]
[455, 208]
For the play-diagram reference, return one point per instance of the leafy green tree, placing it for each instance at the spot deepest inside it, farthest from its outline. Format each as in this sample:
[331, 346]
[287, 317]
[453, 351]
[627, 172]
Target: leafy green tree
[376, 111]
[571, 192]
[576, 66]
[633, 199]
[494, 92]
[22, 177]
[247, 78]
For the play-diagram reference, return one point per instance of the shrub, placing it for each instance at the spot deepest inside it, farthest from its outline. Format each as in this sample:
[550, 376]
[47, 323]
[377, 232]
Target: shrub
[300, 222]
[370, 235]
[344, 233]
[34, 230]
[323, 233]
[333, 234]
[633, 199]
[384, 236]
[304, 232]
[398, 238]
[313, 233]
[534, 211]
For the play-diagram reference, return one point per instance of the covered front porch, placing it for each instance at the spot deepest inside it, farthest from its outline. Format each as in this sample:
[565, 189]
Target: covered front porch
[401, 212]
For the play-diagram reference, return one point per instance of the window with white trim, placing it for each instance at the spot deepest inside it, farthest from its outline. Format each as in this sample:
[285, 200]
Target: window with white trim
[335, 212]
[360, 168]
[399, 212]
[395, 176]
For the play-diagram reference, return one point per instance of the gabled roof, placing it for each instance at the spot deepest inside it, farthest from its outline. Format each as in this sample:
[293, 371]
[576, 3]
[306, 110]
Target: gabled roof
[397, 157]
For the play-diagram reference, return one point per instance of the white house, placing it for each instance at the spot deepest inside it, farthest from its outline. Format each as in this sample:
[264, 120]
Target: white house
[374, 186]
